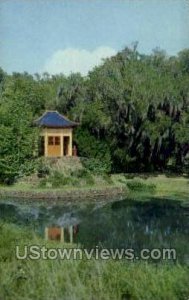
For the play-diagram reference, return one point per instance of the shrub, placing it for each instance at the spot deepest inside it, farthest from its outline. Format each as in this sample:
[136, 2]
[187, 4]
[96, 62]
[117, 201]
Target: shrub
[83, 174]
[89, 180]
[97, 151]
[80, 173]
[95, 165]
[43, 171]
[129, 176]
[107, 178]
[56, 180]
[141, 186]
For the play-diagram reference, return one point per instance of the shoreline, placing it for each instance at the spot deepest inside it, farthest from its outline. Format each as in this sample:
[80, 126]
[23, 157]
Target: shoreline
[175, 188]
[63, 194]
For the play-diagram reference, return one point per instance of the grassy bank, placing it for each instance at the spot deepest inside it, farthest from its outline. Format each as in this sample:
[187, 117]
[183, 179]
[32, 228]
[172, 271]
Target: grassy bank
[77, 178]
[161, 186]
[82, 279]
[128, 185]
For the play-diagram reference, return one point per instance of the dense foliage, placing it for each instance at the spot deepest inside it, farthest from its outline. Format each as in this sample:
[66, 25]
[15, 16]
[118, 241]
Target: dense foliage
[133, 112]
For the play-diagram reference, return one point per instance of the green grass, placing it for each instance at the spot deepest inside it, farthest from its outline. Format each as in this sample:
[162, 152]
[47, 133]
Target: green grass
[162, 186]
[170, 187]
[141, 185]
[82, 279]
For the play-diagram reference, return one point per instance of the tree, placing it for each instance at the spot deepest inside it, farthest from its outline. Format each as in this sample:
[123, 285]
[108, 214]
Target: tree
[17, 136]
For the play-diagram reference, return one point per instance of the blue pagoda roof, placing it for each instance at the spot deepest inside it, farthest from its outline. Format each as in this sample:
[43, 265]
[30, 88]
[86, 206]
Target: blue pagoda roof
[55, 120]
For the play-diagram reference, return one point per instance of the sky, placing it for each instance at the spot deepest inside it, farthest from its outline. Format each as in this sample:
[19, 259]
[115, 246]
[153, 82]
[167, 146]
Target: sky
[64, 36]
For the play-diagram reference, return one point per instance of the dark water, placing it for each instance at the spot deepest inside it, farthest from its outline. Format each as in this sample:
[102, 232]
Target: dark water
[120, 224]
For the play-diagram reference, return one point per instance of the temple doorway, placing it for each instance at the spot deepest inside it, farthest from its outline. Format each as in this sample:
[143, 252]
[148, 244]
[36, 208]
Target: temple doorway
[66, 145]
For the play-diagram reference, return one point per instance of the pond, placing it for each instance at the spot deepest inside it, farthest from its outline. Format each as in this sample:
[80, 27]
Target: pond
[129, 223]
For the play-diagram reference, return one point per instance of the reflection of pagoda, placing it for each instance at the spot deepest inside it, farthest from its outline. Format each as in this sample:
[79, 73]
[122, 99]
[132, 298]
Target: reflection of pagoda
[62, 234]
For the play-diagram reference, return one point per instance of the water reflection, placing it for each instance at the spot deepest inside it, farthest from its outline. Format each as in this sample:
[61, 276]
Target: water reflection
[123, 224]
[61, 234]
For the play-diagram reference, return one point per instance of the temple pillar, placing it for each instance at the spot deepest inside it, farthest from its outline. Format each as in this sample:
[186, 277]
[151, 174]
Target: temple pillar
[62, 145]
[70, 145]
[46, 144]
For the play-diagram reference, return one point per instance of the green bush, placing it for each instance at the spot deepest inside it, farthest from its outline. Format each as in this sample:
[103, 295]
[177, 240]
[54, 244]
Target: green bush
[89, 180]
[85, 175]
[95, 165]
[141, 186]
[80, 173]
[56, 180]
[96, 151]
[107, 178]
[129, 176]
[43, 171]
